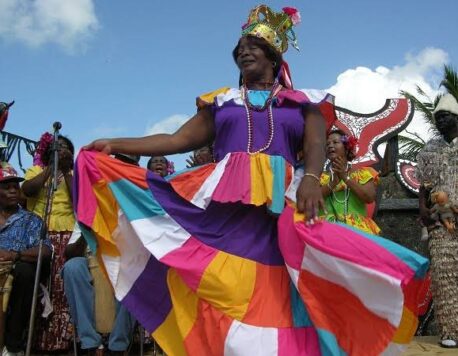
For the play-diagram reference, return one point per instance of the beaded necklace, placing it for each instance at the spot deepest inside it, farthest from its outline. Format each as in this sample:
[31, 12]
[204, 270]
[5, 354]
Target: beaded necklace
[343, 202]
[248, 107]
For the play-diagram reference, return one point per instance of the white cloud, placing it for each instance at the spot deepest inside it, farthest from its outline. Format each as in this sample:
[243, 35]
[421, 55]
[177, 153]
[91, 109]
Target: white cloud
[68, 24]
[168, 125]
[365, 90]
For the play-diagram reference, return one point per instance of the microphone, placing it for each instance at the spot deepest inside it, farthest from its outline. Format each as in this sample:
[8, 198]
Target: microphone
[57, 126]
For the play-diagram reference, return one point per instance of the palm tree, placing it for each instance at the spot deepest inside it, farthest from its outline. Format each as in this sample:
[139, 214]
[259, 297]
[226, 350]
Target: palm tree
[450, 81]
[409, 147]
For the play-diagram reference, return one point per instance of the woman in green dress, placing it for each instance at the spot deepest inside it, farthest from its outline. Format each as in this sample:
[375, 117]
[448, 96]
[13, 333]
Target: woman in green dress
[348, 190]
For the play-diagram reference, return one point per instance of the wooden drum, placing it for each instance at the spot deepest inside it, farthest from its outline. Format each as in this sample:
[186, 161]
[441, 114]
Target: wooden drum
[6, 284]
[104, 305]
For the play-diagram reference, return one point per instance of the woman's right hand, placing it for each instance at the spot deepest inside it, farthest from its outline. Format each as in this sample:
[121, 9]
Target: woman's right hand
[102, 145]
[309, 199]
[339, 166]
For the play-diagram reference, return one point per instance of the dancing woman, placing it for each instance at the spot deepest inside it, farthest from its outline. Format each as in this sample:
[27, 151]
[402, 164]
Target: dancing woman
[227, 275]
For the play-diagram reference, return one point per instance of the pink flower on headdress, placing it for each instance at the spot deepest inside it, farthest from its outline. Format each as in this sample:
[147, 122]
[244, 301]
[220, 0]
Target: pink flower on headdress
[170, 167]
[293, 14]
[350, 143]
[43, 145]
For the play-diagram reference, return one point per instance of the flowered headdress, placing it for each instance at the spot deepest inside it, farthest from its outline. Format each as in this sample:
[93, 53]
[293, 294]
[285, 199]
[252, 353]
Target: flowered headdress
[170, 167]
[275, 27]
[350, 143]
[43, 146]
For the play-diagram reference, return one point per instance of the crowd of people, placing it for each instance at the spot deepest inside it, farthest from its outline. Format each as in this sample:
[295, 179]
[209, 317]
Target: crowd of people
[66, 257]
[264, 244]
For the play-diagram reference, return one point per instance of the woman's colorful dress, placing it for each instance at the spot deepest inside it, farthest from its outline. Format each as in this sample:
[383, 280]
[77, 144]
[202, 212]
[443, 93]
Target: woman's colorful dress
[56, 331]
[344, 206]
[206, 264]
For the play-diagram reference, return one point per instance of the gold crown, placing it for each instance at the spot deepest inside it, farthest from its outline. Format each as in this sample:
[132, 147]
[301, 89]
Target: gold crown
[275, 27]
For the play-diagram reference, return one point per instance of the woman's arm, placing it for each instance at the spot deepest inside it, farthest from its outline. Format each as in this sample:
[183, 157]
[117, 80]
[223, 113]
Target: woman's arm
[425, 213]
[365, 192]
[29, 255]
[32, 187]
[195, 133]
[328, 188]
[68, 178]
[309, 196]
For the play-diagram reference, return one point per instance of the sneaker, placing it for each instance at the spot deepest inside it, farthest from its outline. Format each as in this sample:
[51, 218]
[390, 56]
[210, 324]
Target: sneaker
[5, 352]
[448, 344]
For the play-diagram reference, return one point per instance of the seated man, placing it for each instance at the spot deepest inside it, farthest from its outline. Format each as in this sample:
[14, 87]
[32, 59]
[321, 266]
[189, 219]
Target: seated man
[80, 296]
[19, 240]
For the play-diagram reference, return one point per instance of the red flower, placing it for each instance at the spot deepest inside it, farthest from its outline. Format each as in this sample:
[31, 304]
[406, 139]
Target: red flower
[293, 14]
[43, 145]
[290, 11]
[352, 141]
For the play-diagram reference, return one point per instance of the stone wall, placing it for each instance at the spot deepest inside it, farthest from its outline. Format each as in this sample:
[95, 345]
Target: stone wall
[397, 214]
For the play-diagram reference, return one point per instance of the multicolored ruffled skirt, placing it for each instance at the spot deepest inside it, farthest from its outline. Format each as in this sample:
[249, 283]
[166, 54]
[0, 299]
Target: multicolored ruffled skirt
[206, 265]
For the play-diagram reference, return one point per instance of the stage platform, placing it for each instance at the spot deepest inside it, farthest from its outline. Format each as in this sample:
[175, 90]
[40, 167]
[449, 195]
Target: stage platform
[428, 345]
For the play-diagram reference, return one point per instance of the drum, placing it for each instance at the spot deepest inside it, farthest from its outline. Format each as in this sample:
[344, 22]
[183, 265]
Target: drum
[6, 283]
[105, 304]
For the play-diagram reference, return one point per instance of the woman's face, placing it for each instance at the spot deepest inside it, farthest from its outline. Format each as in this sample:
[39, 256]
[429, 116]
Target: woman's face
[64, 151]
[252, 60]
[158, 165]
[335, 147]
[63, 146]
[203, 156]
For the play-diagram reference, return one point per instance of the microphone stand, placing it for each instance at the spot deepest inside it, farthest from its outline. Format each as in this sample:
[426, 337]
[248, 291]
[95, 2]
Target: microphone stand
[52, 187]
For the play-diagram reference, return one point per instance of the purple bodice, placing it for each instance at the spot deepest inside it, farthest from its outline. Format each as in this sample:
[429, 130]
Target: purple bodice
[232, 130]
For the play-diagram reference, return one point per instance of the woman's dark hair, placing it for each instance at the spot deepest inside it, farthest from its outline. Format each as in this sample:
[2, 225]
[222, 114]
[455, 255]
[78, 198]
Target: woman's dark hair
[47, 154]
[209, 146]
[350, 152]
[268, 50]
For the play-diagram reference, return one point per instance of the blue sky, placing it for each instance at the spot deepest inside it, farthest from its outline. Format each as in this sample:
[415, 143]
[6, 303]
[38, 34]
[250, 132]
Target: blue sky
[127, 68]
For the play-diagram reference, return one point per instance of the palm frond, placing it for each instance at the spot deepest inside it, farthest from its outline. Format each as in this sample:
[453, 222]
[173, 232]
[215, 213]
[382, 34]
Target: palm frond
[421, 92]
[450, 81]
[410, 147]
[425, 108]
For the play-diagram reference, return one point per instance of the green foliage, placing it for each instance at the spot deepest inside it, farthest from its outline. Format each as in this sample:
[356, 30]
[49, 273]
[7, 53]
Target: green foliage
[450, 81]
[410, 146]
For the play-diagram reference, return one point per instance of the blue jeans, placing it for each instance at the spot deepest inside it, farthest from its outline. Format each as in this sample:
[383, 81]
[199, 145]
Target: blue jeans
[80, 296]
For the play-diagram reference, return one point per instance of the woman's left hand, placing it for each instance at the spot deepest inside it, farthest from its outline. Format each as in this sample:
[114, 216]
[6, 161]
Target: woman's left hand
[191, 162]
[309, 199]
